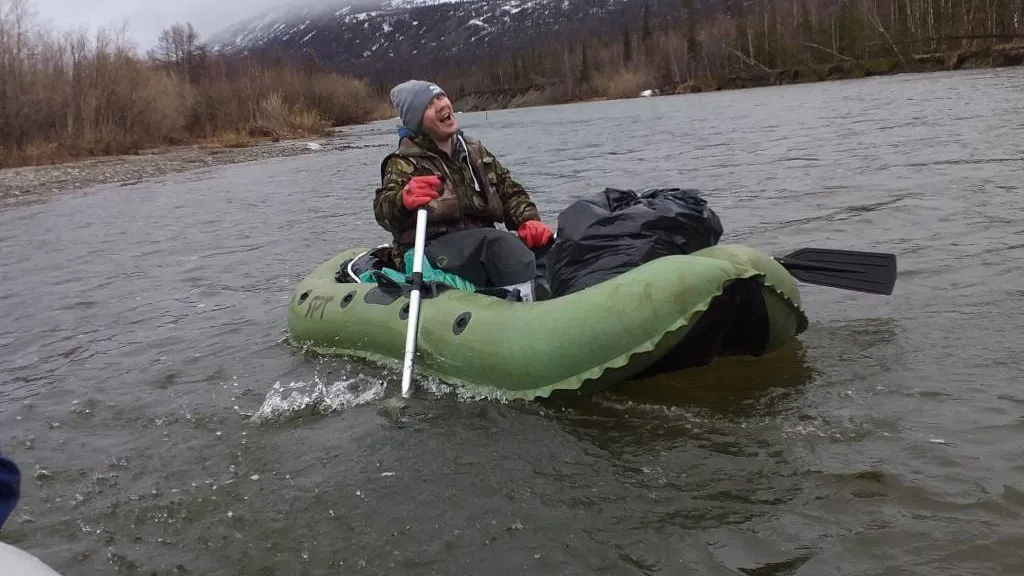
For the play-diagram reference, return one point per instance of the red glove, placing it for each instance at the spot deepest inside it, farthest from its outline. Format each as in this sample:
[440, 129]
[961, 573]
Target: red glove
[535, 233]
[420, 190]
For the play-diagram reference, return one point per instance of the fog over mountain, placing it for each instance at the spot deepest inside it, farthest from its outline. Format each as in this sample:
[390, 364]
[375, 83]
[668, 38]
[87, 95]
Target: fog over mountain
[389, 39]
[143, 21]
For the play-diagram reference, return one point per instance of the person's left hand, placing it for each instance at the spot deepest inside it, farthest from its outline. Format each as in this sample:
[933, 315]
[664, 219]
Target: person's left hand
[534, 233]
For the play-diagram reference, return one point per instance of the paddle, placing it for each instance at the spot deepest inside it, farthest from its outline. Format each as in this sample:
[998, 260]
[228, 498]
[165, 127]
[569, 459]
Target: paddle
[872, 272]
[414, 301]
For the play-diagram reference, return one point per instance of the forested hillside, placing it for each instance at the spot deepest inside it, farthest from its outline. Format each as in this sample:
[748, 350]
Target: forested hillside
[521, 52]
[758, 43]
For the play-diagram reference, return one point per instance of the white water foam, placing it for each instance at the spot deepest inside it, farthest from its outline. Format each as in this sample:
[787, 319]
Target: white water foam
[283, 400]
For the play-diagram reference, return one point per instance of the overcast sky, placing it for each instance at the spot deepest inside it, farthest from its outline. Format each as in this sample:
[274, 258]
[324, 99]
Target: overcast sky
[146, 18]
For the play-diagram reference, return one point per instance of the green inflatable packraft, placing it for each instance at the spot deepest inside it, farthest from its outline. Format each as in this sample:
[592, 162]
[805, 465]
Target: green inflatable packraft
[668, 314]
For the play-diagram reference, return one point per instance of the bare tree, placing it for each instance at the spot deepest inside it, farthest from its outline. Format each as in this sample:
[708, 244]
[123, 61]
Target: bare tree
[179, 49]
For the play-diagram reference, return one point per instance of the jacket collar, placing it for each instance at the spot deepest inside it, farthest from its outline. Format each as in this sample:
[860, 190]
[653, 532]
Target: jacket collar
[459, 149]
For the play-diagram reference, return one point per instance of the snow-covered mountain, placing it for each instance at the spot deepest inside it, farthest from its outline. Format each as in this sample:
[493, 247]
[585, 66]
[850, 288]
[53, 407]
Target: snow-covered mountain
[390, 39]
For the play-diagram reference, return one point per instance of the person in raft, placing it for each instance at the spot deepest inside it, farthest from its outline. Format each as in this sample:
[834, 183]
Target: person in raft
[459, 182]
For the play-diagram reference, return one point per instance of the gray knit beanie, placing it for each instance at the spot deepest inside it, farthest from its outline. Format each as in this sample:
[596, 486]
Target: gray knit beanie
[411, 98]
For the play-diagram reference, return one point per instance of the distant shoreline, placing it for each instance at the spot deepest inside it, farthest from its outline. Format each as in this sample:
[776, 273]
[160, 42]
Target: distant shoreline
[130, 169]
[989, 57]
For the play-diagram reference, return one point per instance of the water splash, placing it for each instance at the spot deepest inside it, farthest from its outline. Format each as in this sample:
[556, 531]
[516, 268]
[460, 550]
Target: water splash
[285, 400]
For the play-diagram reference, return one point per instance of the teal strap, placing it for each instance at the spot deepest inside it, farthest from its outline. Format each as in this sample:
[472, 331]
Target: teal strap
[430, 274]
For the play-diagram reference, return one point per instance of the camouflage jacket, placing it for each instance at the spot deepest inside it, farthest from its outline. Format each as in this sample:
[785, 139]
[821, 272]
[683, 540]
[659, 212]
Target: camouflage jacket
[476, 190]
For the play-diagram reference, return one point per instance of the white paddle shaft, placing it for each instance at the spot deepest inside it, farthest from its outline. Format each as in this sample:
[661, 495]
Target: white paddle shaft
[414, 302]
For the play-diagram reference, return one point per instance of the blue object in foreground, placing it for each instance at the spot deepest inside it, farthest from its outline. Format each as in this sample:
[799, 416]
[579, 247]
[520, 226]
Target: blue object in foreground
[10, 488]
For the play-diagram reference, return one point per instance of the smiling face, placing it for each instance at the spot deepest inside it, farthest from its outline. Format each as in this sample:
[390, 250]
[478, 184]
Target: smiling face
[439, 119]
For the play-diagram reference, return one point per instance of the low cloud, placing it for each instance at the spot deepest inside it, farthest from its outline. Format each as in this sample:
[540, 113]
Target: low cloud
[144, 20]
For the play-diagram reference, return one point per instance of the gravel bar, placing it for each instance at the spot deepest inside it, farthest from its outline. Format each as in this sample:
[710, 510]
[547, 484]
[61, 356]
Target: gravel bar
[131, 169]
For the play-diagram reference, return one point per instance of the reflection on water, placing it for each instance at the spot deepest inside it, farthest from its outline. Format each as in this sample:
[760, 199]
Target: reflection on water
[674, 407]
[732, 387]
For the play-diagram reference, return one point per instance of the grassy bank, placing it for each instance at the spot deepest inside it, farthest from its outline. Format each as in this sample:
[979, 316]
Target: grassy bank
[71, 95]
[630, 83]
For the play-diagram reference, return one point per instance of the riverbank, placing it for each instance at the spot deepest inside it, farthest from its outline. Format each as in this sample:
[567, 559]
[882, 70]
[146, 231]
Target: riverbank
[67, 97]
[158, 162]
[132, 169]
[631, 83]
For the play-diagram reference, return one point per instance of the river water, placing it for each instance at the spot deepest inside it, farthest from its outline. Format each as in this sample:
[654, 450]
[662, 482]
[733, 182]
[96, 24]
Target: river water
[163, 426]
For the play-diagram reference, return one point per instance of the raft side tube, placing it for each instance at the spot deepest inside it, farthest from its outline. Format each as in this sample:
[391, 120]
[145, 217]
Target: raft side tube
[606, 333]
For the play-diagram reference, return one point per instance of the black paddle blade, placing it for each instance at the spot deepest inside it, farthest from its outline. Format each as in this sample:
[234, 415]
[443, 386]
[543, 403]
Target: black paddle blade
[872, 272]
